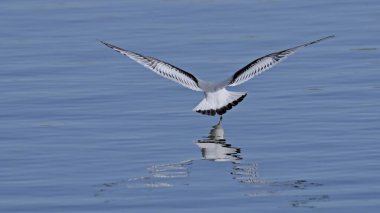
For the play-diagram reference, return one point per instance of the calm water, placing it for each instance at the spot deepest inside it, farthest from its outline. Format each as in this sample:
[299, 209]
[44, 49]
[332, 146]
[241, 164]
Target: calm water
[83, 129]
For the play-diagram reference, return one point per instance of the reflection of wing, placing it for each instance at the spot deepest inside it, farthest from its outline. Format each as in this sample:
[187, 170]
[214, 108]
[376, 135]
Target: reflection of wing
[162, 68]
[160, 175]
[171, 170]
[262, 64]
[246, 173]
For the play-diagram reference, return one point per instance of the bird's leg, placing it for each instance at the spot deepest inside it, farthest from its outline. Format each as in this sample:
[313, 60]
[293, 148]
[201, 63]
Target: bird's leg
[220, 118]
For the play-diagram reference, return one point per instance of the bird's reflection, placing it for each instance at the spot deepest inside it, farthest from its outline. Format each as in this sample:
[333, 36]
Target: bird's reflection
[215, 148]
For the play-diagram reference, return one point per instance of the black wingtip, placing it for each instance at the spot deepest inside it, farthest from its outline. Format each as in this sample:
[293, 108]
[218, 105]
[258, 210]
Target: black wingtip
[105, 43]
[113, 46]
[317, 41]
[328, 37]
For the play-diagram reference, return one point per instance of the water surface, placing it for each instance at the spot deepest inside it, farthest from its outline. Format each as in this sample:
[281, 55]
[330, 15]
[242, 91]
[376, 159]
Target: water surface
[83, 129]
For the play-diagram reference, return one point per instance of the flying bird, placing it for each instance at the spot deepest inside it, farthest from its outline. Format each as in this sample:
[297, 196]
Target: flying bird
[217, 98]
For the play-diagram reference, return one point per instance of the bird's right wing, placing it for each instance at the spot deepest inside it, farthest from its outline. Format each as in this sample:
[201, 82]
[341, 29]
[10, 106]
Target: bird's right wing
[162, 68]
[262, 64]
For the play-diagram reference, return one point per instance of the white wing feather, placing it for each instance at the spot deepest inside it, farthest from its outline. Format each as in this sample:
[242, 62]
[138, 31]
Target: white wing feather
[262, 64]
[162, 68]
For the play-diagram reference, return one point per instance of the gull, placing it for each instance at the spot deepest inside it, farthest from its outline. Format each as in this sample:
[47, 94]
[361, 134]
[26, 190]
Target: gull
[217, 100]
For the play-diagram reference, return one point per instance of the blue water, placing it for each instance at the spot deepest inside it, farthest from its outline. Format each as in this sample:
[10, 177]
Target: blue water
[84, 129]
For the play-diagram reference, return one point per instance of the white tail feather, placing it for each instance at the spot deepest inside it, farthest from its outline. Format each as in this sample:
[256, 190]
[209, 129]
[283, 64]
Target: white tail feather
[219, 102]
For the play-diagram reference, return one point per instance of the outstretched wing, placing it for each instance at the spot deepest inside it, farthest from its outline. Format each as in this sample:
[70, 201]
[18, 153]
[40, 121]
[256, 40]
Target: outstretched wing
[162, 68]
[262, 64]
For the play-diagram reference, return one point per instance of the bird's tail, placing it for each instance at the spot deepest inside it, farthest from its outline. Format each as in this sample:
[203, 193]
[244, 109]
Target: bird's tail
[219, 102]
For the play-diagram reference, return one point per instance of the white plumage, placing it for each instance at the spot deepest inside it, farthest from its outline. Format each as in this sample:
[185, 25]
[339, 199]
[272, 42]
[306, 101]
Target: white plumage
[217, 98]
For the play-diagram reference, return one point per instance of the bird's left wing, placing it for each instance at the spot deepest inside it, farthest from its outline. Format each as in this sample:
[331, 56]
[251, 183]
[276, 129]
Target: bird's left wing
[162, 68]
[262, 64]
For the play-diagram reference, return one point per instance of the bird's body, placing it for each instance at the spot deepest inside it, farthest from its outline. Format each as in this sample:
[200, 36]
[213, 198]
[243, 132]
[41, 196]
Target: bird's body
[217, 98]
